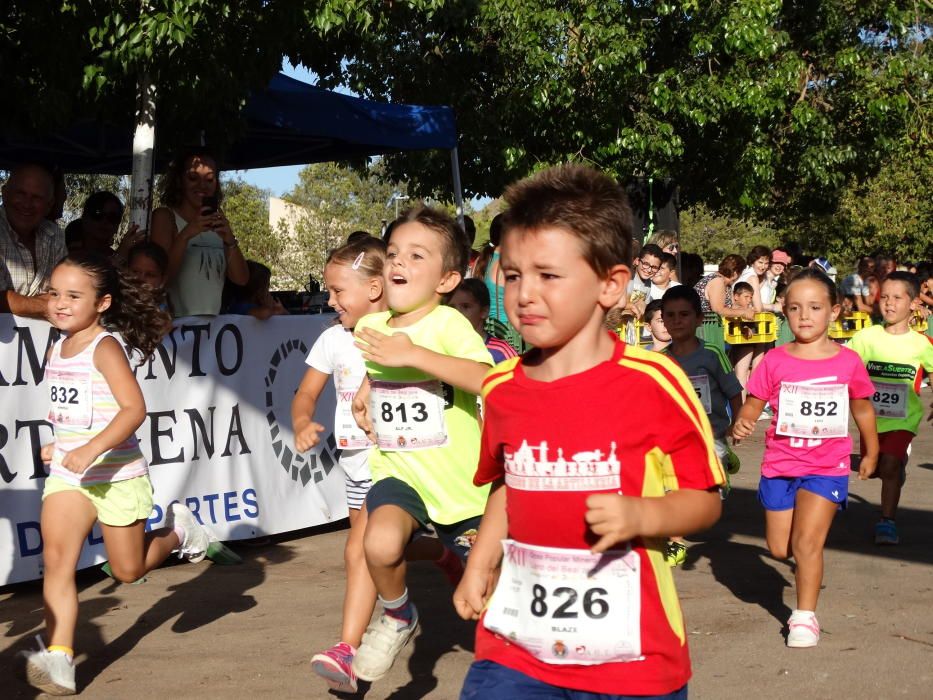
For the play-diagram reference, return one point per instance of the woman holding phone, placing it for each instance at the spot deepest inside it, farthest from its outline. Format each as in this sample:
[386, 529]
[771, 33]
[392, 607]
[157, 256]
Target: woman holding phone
[202, 250]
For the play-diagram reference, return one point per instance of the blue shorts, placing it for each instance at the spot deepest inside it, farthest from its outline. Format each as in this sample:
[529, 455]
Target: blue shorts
[487, 680]
[780, 492]
[457, 537]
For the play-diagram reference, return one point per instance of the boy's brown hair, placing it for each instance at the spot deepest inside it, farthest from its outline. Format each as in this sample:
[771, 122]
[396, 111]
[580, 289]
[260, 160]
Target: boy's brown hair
[580, 200]
[456, 250]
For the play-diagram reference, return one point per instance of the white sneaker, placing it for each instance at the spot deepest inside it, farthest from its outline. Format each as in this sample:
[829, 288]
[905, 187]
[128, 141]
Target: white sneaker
[49, 671]
[382, 642]
[803, 630]
[197, 537]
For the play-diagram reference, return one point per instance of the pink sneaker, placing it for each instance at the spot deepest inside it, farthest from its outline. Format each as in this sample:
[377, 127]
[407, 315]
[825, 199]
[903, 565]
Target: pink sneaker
[334, 666]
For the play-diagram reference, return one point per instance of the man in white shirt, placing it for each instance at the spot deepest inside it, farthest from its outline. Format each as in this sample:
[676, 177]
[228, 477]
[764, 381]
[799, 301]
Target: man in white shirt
[30, 245]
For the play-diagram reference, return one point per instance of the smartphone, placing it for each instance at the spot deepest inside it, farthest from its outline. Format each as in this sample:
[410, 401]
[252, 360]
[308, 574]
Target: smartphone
[209, 205]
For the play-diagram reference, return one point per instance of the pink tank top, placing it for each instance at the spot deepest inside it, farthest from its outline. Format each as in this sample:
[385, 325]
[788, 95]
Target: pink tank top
[81, 406]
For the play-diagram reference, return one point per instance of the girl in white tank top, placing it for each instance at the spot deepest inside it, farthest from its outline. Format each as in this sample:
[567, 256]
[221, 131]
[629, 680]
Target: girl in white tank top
[97, 472]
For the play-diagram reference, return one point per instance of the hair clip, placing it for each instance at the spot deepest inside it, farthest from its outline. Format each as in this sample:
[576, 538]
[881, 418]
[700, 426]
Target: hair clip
[359, 261]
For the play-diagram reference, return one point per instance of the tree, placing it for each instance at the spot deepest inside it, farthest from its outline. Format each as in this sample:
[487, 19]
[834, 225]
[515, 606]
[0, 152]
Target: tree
[330, 201]
[247, 208]
[713, 236]
[752, 105]
[65, 59]
[763, 108]
[892, 211]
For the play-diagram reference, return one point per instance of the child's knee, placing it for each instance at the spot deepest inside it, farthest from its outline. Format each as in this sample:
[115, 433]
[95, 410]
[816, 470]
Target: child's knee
[353, 554]
[779, 550]
[889, 468]
[806, 544]
[127, 572]
[382, 547]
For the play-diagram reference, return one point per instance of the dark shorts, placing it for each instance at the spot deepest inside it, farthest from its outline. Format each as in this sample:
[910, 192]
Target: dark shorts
[487, 680]
[780, 493]
[457, 537]
[894, 443]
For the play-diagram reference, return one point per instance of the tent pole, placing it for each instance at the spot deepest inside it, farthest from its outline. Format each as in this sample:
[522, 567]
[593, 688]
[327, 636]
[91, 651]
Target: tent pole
[143, 146]
[458, 188]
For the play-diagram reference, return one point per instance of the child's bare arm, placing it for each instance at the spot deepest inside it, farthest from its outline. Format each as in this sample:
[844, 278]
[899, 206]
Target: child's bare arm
[360, 408]
[303, 405]
[616, 518]
[864, 414]
[397, 350]
[479, 577]
[735, 404]
[744, 422]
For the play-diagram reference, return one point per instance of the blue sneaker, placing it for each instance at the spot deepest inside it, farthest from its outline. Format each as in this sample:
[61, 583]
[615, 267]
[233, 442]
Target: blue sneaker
[886, 532]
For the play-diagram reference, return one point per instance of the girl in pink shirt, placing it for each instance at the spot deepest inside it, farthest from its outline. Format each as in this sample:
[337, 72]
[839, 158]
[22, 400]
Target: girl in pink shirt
[811, 384]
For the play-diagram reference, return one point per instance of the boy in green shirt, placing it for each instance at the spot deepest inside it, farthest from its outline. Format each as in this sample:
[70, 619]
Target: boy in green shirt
[895, 357]
[425, 365]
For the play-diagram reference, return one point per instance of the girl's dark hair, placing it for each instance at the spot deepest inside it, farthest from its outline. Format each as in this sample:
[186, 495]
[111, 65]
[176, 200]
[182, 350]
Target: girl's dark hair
[173, 183]
[476, 288]
[485, 255]
[811, 273]
[691, 269]
[150, 250]
[134, 308]
[759, 251]
[95, 202]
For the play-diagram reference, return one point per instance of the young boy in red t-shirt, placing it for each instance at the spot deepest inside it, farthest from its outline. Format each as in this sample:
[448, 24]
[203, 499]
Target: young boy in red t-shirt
[585, 491]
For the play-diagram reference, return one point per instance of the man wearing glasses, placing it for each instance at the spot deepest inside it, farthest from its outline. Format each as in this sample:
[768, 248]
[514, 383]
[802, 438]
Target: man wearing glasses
[30, 245]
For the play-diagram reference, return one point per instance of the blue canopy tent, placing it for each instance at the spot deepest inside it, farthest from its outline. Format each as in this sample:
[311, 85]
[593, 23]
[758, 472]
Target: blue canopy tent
[288, 123]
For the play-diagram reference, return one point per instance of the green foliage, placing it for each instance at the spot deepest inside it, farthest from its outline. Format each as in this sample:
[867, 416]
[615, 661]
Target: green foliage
[713, 236]
[332, 200]
[80, 187]
[61, 59]
[892, 211]
[247, 208]
[752, 105]
[788, 112]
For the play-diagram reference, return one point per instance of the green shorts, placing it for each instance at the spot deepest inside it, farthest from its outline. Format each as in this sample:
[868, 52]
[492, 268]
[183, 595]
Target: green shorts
[118, 503]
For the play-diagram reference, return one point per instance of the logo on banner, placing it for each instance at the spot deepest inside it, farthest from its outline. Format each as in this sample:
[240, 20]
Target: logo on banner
[317, 464]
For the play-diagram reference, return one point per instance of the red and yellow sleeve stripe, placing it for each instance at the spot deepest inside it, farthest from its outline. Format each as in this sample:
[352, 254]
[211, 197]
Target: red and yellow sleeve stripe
[671, 378]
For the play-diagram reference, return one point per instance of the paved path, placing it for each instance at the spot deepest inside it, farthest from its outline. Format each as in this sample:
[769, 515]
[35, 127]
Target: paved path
[247, 631]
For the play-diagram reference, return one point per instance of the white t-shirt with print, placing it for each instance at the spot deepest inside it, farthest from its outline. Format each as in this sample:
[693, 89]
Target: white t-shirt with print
[334, 353]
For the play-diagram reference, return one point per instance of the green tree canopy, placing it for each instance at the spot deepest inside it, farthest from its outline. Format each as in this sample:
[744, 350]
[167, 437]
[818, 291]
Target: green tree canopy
[784, 111]
[751, 104]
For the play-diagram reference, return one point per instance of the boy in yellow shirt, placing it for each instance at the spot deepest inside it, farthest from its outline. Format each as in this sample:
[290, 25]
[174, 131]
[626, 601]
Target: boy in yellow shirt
[425, 365]
[895, 357]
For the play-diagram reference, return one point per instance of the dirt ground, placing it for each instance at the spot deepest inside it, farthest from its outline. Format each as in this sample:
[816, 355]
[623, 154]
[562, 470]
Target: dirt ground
[247, 631]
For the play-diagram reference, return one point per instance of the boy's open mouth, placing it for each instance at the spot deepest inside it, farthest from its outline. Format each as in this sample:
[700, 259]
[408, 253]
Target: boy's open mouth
[398, 279]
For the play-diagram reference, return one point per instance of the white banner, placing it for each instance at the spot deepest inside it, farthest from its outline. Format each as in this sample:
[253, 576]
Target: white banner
[217, 434]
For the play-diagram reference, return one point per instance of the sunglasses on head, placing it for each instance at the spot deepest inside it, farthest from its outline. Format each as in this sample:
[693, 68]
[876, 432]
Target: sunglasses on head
[112, 217]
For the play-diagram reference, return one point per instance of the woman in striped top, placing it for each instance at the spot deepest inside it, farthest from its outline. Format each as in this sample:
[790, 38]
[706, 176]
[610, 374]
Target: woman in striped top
[97, 471]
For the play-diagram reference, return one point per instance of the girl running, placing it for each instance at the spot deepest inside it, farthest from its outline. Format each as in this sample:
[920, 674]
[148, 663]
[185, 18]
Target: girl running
[353, 274]
[97, 472]
[811, 384]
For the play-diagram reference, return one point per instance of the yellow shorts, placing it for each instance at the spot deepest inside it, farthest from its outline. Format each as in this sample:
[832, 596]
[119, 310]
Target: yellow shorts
[118, 503]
